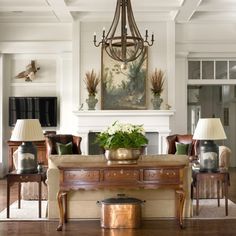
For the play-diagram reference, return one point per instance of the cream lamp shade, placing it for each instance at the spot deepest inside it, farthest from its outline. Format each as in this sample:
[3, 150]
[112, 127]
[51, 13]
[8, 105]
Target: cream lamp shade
[209, 129]
[27, 130]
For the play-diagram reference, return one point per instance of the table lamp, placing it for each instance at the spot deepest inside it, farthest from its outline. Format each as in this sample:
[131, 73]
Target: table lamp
[208, 130]
[27, 131]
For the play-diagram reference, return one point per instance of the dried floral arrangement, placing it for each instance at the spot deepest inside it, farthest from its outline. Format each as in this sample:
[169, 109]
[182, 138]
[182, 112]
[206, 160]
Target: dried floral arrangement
[91, 80]
[157, 82]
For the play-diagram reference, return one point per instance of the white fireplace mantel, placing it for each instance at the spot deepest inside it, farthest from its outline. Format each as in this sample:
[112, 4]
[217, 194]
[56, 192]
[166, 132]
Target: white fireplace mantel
[98, 120]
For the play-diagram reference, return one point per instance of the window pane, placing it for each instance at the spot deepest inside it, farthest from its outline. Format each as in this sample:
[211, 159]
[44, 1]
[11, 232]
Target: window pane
[194, 70]
[232, 69]
[221, 69]
[207, 70]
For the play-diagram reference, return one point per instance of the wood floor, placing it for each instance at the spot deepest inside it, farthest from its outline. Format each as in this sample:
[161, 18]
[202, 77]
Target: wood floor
[92, 228]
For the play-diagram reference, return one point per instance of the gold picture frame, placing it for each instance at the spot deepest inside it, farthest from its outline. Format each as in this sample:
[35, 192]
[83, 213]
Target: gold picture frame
[124, 88]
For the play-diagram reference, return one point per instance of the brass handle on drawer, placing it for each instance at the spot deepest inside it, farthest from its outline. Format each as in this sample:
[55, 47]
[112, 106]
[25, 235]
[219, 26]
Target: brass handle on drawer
[23, 177]
[170, 173]
[121, 171]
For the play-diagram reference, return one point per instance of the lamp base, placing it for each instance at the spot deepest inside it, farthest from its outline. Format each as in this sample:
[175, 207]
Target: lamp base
[27, 158]
[209, 156]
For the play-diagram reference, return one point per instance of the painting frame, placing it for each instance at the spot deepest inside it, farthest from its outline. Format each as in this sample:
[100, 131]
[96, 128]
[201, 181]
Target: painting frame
[124, 88]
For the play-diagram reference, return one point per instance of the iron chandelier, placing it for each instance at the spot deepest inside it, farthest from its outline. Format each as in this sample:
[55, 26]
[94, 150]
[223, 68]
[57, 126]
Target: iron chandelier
[126, 44]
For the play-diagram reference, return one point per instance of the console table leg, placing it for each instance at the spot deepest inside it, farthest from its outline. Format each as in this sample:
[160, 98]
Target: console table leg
[197, 197]
[40, 199]
[225, 184]
[8, 197]
[19, 195]
[218, 193]
[180, 197]
[61, 211]
[65, 205]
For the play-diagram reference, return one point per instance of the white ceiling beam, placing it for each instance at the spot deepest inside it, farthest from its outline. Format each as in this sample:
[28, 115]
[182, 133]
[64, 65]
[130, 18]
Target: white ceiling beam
[218, 8]
[134, 3]
[139, 16]
[60, 10]
[27, 9]
[187, 10]
[181, 11]
[102, 8]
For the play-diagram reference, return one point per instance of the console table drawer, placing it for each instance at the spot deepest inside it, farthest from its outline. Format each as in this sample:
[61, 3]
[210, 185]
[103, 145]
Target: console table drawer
[121, 175]
[161, 174]
[82, 175]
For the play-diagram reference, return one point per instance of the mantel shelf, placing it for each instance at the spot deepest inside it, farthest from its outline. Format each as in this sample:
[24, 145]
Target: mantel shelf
[124, 113]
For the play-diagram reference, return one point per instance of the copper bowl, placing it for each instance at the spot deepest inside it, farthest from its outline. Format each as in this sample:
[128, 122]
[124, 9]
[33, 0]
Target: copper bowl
[123, 155]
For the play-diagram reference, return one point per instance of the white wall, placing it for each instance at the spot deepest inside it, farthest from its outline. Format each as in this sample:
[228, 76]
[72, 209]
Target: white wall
[179, 121]
[65, 95]
[1, 111]
[35, 32]
[206, 39]
[4, 131]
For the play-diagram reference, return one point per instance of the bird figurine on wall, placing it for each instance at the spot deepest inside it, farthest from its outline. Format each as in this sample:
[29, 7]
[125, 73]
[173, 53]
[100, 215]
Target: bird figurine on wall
[29, 73]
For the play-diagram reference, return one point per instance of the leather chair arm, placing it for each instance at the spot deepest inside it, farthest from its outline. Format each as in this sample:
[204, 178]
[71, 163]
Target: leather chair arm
[171, 144]
[76, 141]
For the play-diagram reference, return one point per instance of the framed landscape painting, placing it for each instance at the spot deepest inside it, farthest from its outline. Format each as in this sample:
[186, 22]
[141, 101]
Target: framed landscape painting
[124, 88]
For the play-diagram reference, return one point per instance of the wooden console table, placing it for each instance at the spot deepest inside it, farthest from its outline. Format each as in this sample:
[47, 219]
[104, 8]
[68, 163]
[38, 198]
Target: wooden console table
[99, 175]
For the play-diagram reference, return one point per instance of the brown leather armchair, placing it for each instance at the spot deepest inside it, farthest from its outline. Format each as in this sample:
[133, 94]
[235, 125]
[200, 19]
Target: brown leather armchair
[182, 138]
[52, 139]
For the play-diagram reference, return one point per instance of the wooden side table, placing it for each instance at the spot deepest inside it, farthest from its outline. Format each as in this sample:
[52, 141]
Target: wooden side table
[14, 177]
[222, 176]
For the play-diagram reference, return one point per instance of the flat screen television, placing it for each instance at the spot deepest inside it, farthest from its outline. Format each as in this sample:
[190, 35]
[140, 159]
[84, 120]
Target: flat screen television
[42, 108]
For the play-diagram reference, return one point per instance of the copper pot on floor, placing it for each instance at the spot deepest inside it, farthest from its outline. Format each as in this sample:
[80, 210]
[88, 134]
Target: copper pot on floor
[121, 212]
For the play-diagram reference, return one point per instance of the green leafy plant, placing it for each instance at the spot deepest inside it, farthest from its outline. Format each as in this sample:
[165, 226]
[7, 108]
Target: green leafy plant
[157, 82]
[91, 80]
[122, 135]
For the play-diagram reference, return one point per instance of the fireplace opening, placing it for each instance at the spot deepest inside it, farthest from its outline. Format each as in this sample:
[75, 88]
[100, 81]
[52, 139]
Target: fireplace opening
[93, 147]
[152, 147]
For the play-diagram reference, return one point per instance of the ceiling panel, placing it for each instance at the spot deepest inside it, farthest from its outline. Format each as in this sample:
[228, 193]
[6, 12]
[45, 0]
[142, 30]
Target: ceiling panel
[214, 17]
[154, 10]
[23, 3]
[27, 17]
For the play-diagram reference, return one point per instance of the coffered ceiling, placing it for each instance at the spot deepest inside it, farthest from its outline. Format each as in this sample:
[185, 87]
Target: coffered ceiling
[52, 11]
